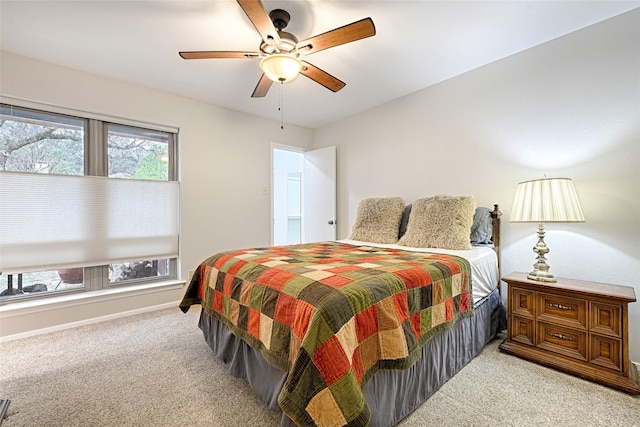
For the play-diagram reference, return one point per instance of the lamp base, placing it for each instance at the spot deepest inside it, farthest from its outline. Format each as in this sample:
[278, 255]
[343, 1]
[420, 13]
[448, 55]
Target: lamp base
[541, 276]
[540, 271]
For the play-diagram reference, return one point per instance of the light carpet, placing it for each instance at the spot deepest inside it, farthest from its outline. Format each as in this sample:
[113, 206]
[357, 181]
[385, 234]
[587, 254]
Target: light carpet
[155, 369]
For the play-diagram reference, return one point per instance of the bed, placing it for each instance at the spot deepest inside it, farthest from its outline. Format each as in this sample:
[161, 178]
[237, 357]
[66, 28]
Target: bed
[358, 331]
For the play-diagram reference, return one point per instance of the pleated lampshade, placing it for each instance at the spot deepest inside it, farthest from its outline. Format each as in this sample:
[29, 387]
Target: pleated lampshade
[546, 200]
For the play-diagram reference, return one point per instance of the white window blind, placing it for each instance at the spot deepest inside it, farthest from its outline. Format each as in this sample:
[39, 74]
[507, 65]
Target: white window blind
[53, 221]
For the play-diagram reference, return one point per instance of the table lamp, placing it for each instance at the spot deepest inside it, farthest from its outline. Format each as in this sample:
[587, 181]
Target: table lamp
[545, 200]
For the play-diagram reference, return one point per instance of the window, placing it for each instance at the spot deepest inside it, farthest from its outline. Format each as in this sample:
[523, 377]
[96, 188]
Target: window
[33, 141]
[141, 154]
[138, 153]
[85, 204]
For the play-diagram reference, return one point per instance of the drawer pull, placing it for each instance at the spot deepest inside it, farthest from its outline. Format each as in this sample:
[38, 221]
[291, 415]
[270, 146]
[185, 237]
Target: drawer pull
[560, 336]
[559, 306]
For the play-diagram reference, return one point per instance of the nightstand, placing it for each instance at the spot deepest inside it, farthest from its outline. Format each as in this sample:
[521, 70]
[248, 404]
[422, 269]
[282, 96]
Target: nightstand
[574, 326]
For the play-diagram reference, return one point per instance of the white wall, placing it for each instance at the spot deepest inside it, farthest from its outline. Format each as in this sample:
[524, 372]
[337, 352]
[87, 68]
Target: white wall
[568, 108]
[224, 159]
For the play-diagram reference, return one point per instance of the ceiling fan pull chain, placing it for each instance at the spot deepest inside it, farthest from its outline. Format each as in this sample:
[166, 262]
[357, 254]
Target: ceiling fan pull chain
[280, 106]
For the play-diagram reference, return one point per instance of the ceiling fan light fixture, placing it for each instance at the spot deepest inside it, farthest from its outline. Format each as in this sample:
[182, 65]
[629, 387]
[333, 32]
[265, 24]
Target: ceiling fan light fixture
[281, 67]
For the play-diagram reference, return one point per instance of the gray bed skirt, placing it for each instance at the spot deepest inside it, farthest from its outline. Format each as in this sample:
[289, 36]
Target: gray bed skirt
[390, 394]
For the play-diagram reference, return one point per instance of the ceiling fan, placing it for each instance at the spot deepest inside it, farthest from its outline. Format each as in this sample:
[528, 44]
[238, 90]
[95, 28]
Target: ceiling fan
[280, 51]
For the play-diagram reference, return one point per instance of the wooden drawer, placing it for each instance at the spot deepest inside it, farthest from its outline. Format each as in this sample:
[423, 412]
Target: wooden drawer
[606, 352]
[522, 302]
[606, 319]
[560, 309]
[565, 341]
[522, 330]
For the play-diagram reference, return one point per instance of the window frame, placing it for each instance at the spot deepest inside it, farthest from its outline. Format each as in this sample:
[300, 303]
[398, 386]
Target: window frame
[96, 161]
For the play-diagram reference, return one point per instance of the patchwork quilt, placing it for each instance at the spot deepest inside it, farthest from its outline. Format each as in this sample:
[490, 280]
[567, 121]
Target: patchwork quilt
[332, 314]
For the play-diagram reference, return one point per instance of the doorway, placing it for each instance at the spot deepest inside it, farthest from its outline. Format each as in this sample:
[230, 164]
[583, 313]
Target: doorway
[303, 195]
[287, 196]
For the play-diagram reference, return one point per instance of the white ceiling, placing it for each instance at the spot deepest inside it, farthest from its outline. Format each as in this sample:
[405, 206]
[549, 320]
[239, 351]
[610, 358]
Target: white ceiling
[418, 44]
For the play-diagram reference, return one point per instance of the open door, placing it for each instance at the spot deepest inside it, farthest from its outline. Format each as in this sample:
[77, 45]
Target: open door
[319, 195]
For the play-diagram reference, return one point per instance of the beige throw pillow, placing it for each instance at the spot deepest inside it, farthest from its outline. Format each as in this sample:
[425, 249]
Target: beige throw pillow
[440, 222]
[378, 220]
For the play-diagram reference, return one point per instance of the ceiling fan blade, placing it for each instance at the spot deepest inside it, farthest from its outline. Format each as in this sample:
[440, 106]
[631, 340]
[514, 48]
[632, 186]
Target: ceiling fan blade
[217, 54]
[260, 19]
[349, 33]
[322, 77]
[262, 87]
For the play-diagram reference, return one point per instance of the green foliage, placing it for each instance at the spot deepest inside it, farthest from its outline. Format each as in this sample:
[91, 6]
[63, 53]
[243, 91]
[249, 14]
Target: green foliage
[150, 167]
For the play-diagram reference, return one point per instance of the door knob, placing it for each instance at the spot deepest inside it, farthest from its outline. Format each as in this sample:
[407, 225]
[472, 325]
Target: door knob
[331, 222]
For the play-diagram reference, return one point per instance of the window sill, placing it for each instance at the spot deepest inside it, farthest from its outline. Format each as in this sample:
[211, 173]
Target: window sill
[69, 299]
[75, 298]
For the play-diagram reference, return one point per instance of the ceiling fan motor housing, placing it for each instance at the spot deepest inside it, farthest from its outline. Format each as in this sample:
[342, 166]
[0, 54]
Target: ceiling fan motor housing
[280, 18]
[288, 42]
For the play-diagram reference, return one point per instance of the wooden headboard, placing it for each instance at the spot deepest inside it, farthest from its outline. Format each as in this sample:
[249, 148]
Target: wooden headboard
[495, 238]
